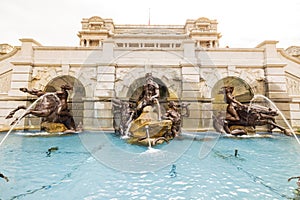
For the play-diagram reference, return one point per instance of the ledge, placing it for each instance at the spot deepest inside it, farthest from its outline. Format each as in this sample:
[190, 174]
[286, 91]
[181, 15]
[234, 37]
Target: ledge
[31, 41]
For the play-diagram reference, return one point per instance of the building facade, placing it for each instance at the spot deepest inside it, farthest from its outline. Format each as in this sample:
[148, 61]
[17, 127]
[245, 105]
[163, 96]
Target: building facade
[185, 60]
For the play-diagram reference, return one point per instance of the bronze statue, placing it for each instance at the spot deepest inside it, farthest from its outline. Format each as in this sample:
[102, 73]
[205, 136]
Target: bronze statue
[117, 113]
[297, 190]
[141, 124]
[231, 113]
[174, 113]
[65, 116]
[149, 95]
[45, 108]
[295, 177]
[123, 115]
[126, 116]
[238, 114]
[52, 107]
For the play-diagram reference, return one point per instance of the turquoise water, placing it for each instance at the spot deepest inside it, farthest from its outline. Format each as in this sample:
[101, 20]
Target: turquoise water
[206, 168]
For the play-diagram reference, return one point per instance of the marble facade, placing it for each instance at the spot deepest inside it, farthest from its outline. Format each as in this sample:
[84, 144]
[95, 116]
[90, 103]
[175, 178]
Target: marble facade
[111, 61]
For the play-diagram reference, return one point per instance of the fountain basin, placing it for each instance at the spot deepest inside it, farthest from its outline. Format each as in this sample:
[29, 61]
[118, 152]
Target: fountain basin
[86, 175]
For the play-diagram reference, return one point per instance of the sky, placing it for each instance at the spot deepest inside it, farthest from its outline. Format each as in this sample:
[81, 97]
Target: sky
[242, 23]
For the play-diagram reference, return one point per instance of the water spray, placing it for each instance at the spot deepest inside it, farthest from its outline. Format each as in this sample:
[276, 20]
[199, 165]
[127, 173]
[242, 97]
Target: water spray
[283, 117]
[24, 113]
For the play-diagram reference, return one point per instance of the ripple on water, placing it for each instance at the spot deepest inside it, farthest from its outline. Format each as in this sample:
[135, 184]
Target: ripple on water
[217, 176]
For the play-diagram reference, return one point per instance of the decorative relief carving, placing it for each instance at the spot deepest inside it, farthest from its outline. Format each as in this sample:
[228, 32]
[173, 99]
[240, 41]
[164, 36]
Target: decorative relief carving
[38, 73]
[39, 76]
[5, 49]
[96, 23]
[5, 79]
[255, 78]
[204, 90]
[258, 74]
[293, 85]
[294, 51]
[95, 19]
[203, 20]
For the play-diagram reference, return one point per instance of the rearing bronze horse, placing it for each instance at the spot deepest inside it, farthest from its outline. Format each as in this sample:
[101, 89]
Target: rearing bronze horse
[51, 107]
[238, 114]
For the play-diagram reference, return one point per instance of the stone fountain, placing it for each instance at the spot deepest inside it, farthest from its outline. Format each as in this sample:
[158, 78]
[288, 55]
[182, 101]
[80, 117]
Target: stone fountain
[241, 119]
[144, 123]
[52, 108]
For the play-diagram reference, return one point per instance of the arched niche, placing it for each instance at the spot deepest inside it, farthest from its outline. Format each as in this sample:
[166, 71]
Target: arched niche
[76, 95]
[242, 92]
[136, 89]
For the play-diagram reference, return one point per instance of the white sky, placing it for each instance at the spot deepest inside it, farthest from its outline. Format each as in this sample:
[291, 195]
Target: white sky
[242, 23]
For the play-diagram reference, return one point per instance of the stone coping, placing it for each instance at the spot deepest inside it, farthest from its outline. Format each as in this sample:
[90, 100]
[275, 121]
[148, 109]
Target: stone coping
[109, 130]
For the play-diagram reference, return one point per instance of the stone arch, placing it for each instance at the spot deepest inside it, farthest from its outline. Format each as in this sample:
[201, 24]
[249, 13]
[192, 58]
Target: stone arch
[42, 76]
[95, 19]
[130, 87]
[136, 88]
[130, 79]
[76, 97]
[242, 92]
[253, 77]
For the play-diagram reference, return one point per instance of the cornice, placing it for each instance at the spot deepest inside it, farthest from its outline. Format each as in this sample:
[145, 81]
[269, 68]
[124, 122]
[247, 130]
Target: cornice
[50, 48]
[274, 42]
[230, 49]
[30, 40]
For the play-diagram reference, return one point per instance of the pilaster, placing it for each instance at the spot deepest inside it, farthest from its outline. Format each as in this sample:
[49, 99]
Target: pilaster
[276, 89]
[189, 54]
[190, 82]
[274, 72]
[105, 82]
[22, 70]
[106, 72]
[104, 92]
[108, 50]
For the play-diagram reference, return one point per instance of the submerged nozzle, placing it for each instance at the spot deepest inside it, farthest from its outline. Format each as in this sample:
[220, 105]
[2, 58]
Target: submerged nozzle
[236, 153]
